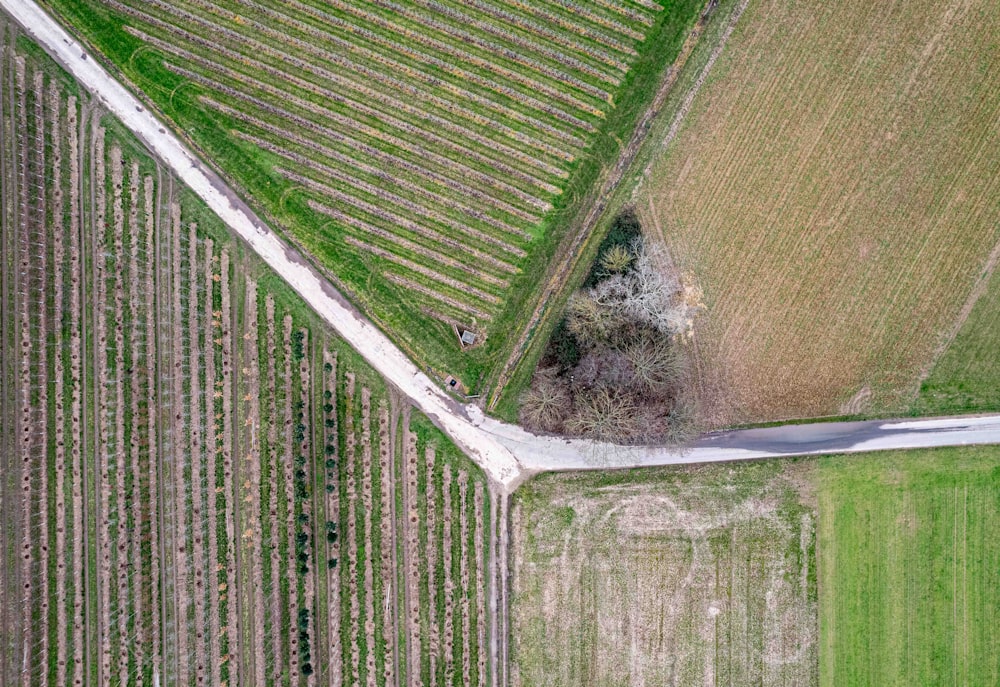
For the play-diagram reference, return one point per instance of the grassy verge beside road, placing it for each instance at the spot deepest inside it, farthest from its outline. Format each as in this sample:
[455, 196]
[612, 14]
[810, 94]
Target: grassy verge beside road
[966, 378]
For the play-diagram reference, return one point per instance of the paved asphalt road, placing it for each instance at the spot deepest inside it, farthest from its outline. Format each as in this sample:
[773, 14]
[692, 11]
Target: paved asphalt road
[538, 454]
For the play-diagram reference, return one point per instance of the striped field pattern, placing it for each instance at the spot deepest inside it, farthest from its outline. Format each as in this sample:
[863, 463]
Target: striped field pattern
[193, 469]
[424, 142]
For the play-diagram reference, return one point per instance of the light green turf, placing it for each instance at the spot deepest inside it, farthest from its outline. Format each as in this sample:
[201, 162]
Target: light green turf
[909, 563]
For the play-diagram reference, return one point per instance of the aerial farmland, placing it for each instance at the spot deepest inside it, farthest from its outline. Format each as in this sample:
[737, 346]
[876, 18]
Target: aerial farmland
[833, 192]
[499, 343]
[429, 154]
[212, 488]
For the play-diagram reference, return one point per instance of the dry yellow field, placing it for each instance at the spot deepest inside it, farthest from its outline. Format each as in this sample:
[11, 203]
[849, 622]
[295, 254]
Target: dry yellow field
[835, 191]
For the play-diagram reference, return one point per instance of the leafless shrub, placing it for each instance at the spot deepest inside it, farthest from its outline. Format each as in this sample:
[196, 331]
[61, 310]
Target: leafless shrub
[650, 293]
[589, 321]
[547, 403]
[603, 367]
[604, 414]
[656, 366]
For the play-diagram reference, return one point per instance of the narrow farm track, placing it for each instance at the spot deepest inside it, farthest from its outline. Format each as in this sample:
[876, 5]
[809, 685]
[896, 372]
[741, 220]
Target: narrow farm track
[430, 554]
[197, 395]
[274, 615]
[367, 569]
[334, 604]
[292, 598]
[63, 573]
[411, 555]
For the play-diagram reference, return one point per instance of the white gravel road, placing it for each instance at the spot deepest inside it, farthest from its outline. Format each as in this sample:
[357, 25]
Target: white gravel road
[506, 452]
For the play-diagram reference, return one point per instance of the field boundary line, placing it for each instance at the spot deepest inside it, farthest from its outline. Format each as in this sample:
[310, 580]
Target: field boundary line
[978, 289]
[573, 245]
[685, 107]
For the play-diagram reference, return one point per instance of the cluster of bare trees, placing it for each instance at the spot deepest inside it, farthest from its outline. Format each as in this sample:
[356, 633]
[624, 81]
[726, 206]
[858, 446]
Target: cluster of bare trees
[615, 368]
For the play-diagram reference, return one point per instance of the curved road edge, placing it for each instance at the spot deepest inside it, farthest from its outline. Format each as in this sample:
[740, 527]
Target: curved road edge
[549, 453]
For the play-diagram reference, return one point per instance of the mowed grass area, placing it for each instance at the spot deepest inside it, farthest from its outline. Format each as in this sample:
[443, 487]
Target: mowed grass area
[683, 576]
[910, 568]
[429, 154]
[966, 378]
[834, 191]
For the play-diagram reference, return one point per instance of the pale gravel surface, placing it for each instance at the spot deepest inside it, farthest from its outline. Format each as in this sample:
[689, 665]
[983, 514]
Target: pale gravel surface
[507, 453]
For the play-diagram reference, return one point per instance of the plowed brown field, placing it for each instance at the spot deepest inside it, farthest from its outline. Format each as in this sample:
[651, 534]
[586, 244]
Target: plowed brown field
[834, 191]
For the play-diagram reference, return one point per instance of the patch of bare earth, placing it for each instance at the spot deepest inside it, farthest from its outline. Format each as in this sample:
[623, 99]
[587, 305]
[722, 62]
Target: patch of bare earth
[695, 577]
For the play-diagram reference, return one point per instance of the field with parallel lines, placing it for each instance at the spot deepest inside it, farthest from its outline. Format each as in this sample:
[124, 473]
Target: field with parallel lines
[966, 377]
[201, 485]
[834, 191]
[864, 569]
[425, 152]
[909, 566]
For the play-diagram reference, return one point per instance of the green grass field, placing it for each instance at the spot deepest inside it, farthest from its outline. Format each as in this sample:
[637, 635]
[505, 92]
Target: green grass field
[708, 575]
[430, 155]
[967, 376]
[909, 563]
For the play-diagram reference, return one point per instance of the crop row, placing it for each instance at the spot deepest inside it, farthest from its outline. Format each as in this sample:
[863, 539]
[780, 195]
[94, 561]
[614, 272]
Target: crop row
[205, 493]
[414, 524]
[410, 123]
[368, 35]
[139, 450]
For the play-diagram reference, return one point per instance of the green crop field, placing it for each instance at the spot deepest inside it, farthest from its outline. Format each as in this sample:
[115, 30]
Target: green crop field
[200, 483]
[430, 154]
[966, 378]
[909, 565]
[701, 575]
[708, 575]
[833, 191]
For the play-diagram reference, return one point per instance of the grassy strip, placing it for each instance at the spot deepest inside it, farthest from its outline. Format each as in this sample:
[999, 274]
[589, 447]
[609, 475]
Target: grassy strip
[967, 377]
